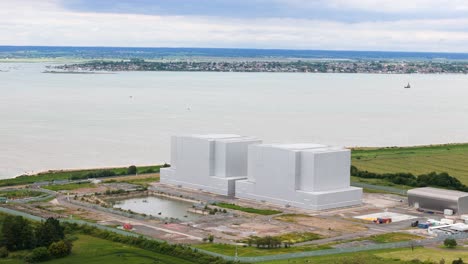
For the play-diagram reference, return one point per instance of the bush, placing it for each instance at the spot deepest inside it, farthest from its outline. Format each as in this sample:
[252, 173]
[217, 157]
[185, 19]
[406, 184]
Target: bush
[3, 252]
[450, 243]
[38, 254]
[458, 261]
[132, 170]
[60, 249]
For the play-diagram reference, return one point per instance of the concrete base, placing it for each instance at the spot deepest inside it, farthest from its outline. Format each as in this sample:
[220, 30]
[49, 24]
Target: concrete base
[223, 186]
[301, 199]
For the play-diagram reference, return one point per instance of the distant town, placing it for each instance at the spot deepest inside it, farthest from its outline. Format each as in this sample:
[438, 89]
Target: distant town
[333, 66]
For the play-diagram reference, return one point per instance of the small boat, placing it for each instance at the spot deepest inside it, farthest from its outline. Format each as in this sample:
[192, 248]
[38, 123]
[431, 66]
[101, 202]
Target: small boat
[408, 86]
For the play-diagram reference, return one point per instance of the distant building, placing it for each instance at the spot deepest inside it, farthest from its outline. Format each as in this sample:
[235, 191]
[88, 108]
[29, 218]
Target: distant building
[210, 163]
[310, 176]
[435, 199]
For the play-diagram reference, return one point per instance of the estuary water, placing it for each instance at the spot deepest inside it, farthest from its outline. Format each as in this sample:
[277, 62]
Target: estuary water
[59, 121]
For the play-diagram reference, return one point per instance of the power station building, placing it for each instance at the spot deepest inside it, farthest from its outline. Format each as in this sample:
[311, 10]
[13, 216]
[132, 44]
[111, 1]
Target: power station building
[208, 162]
[309, 176]
[435, 199]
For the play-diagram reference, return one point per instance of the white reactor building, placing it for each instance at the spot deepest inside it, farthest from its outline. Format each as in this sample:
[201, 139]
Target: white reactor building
[309, 176]
[210, 163]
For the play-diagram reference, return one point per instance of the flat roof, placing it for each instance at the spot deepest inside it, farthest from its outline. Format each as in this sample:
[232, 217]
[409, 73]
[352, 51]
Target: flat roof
[436, 192]
[223, 137]
[308, 147]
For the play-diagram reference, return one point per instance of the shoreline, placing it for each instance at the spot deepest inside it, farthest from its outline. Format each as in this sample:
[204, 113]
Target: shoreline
[354, 148]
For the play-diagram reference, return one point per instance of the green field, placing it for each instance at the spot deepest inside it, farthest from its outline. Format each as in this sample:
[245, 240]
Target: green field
[368, 257]
[17, 194]
[70, 174]
[245, 251]
[69, 186]
[88, 249]
[393, 237]
[143, 181]
[452, 159]
[248, 209]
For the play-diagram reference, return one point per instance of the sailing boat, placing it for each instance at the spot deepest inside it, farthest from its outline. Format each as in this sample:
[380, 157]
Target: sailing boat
[408, 86]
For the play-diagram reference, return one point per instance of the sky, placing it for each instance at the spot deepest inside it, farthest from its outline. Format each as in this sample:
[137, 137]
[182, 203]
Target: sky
[386, 25]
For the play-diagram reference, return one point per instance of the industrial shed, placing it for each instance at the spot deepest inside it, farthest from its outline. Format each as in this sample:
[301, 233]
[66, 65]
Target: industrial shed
[435, 199]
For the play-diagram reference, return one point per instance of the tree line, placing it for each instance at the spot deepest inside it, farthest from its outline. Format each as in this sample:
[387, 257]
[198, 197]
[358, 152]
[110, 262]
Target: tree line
[434, 179]
[46, 239]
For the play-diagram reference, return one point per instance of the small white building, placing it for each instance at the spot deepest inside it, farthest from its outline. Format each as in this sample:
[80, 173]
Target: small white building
[210, 163]
[309, 176]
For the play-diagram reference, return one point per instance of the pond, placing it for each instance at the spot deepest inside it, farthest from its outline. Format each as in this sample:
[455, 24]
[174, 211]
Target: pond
[158, 207]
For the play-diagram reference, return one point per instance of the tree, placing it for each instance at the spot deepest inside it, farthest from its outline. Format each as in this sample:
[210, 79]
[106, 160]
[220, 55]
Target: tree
[17, 233]
[450, 243]
[60, 249]
[49, 231]
[132, 170]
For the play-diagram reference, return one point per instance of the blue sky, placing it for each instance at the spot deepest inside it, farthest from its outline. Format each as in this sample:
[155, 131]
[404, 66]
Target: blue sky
[407, 25]
[312, 9]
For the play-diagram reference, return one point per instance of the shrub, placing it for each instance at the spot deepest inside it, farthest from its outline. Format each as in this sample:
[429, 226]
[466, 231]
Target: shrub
[3, 252]
[458, 261]
[450, 243]
[38, 254]
[60, 249]
[132, 170]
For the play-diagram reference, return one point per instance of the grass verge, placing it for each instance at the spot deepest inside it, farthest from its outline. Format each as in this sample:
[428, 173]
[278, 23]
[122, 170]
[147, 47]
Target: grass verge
[248, 209]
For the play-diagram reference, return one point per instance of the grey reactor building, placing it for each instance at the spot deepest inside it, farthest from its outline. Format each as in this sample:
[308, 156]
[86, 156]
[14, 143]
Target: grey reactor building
[309, 176]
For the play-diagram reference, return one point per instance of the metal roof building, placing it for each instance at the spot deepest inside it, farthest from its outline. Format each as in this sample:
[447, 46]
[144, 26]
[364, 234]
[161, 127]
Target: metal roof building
[435, 199]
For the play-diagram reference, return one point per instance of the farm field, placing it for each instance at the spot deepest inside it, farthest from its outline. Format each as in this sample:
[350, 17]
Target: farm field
[452, 158]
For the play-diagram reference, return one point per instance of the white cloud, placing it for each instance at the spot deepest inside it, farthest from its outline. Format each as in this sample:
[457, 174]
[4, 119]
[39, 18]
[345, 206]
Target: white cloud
[28, 22]
[384, 6]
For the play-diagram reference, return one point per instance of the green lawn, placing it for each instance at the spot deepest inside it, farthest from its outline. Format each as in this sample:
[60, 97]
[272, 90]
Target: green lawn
[63, 175]
[230, 250]
[426, 254]
[248, 209]
[138, 180]
[91, 250]
[368, 257]
[17, 194]
[393, 237]
[452, 159]
[69, 186]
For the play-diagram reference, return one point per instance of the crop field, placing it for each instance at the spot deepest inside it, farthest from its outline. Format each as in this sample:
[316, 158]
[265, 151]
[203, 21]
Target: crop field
[452, 159]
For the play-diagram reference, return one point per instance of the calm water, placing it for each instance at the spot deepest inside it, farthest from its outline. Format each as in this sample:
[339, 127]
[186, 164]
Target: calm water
[53, 121]
[155, 205]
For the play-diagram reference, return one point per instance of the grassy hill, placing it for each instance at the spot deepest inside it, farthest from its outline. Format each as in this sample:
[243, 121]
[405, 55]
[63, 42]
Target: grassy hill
[452, 159]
